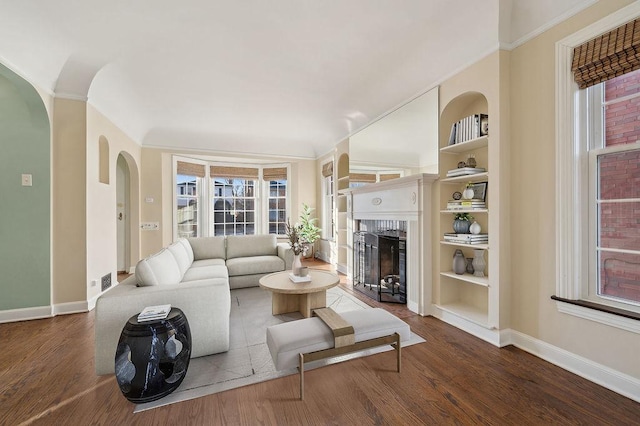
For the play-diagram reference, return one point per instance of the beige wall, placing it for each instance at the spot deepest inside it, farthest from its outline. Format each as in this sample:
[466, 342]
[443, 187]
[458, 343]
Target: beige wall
[101, 220]
[157, 183]
[69, 232]
[533, 192]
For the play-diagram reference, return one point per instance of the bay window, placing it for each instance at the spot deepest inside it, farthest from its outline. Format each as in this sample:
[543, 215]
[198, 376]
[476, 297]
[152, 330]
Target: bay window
[235, 199]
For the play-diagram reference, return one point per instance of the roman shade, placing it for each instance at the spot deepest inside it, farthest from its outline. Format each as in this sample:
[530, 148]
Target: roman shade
[190, 169]
[362, 177]
[274, 173]
[389, 176]
[234, 172]
[607, 56]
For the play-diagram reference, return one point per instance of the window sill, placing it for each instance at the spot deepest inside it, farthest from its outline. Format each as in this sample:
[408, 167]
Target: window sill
[614, 317]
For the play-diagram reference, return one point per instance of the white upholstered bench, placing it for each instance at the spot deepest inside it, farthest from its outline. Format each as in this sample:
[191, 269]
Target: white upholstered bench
[330, 334]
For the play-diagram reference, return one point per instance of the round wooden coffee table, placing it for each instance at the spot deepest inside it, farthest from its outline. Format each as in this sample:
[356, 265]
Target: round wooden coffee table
[298, 297]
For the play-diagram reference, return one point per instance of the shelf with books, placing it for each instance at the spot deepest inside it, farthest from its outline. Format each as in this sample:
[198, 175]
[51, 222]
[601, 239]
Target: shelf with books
[464, 211]
[481, 142]
[475, 246]
[476, 177]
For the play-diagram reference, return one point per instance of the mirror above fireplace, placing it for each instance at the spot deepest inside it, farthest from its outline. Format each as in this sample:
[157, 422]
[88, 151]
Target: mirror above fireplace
[404, 141]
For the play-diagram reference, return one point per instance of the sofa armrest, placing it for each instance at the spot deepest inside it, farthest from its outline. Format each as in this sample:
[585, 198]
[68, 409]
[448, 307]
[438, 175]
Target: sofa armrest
[286, 254]
[206, 304]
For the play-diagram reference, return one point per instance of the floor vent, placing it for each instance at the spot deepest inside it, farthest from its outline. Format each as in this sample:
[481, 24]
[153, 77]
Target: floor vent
[106, 281]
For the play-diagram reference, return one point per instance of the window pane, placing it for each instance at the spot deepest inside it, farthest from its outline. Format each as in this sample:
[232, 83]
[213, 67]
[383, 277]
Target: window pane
[622, 86]
[619, 225]
[187, 217]
[619, 175]
[277, 206]
[233, 206]
[187, 205]
[620, 275]
[621, 111]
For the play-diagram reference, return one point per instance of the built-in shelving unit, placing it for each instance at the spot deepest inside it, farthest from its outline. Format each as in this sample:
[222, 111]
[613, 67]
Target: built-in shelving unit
[341, 212]
[465, 300]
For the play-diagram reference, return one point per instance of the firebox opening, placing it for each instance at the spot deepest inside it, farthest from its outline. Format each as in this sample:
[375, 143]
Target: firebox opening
[380, 260]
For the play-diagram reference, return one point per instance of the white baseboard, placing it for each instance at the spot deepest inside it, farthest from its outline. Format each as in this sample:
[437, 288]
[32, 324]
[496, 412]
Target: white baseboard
[493, 336]
[40, 312]
[604, 376]
[70, 308]
[24, 314]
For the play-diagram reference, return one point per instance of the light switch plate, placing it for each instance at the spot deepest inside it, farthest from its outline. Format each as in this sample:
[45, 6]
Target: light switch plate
[27, 179]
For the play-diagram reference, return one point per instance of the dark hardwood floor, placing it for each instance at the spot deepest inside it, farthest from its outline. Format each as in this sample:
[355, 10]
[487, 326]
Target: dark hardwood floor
[47, 378]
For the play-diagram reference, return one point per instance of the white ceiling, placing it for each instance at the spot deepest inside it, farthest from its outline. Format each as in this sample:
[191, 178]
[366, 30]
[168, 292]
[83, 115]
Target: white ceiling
[285, 77]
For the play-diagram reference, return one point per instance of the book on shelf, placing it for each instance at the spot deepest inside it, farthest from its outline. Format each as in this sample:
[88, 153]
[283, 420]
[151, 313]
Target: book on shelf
[154, 312]
[468, 128]
[452, 135]
[466, 238]
[466, 204]
[465, 171]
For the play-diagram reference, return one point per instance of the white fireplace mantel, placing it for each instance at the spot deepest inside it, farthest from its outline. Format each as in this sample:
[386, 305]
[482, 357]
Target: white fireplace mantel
[405, 199]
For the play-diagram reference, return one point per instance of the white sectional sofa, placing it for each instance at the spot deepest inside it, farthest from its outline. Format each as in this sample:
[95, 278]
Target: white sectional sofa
[194, 275]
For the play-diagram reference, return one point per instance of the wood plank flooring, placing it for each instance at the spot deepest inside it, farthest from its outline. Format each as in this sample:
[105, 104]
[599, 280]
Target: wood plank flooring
[47, 378]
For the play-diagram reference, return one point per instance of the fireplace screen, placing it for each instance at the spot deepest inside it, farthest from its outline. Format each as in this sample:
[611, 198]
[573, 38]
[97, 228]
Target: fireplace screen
[380, 266]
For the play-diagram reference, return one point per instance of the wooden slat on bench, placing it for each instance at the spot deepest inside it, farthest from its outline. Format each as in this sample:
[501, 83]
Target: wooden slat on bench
[343, 333]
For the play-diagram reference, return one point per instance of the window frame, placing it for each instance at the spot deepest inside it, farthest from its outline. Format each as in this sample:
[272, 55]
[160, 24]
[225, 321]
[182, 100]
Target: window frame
[328, 207]
[205, 195]
[572, 207]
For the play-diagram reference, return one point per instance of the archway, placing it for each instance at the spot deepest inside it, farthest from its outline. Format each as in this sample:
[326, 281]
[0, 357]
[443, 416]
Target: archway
[123, 216]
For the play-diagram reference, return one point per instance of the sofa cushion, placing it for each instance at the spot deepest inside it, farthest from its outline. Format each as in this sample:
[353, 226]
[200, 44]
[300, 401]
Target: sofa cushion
[205, 272]
[251, 245]
[187, 248]
[207, 262]
[254, 265]
[207, 247]
[160, 268]
[182, 256]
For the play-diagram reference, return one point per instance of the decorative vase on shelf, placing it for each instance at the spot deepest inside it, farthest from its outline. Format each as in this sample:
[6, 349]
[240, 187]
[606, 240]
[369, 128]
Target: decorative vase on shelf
[468, 193]
[470, 265]
[461, 226]
[296, 265]
[479, 263]
[475, 228]
[459, 262]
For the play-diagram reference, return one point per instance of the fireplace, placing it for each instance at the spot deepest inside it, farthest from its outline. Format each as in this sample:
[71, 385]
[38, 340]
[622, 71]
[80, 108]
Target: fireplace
[404, 206]
[380, 265]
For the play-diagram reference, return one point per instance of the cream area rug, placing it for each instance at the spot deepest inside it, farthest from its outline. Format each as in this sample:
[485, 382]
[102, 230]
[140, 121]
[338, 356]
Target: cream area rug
[248, 360]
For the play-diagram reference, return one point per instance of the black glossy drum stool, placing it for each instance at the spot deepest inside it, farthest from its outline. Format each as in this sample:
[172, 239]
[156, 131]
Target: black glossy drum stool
[153, 356]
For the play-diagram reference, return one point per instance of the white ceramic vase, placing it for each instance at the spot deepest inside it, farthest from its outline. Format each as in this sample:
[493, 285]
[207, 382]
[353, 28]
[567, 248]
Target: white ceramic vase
[468, 193]
[296, 265]
[475, 228]
[478, 263]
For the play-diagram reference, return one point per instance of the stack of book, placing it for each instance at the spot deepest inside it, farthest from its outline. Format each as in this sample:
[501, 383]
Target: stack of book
[467, 238]
[465, 171]
[468, 128]
[474, 204]
[154, 313]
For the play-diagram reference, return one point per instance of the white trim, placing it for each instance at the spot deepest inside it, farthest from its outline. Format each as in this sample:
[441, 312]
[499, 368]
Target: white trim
[493, 336]
[571, 267]
[71, 97]
[24, 314]
[597, 373]
[606, 318]
[71, 307]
